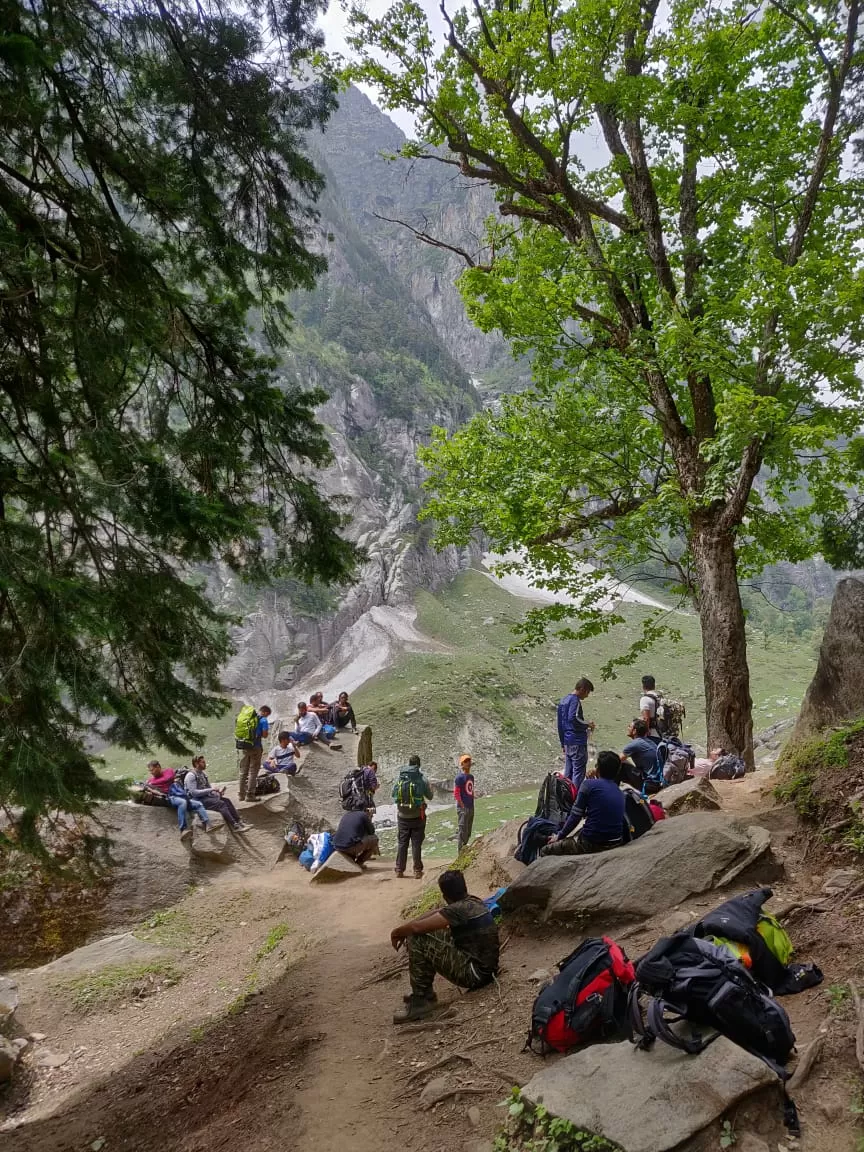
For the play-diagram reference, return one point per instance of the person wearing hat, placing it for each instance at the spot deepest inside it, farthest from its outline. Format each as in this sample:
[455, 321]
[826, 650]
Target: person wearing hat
[463, 790]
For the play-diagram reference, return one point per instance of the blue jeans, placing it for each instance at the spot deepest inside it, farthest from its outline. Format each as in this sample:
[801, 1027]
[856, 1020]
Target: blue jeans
[305, 738]
[576, 763]
[183, 804]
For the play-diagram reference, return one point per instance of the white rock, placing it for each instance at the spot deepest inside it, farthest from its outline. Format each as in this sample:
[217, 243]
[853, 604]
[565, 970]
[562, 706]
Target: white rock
[474, 1115]
[49, 1059]
[433, 1090]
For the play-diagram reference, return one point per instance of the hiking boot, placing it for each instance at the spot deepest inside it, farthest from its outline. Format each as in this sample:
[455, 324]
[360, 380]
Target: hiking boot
[335, 747]
[241, 797]
[418, 875]
[416, 1008]
[186, 833]
[400, 875]
[431, 996]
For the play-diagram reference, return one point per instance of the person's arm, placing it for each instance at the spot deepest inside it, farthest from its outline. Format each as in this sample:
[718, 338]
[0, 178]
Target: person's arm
[457, 793]
[368, 825]
[189, 781]
[560, 719]
[577, 812]
[431, 922]
[427, 789]
[575, 721]
[317, 723]
[647, 714]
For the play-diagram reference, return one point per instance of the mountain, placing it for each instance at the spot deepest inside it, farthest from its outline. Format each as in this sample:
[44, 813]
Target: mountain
[385, 335]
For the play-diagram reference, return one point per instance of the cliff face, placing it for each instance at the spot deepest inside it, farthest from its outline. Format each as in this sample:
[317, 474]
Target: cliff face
[385, 335]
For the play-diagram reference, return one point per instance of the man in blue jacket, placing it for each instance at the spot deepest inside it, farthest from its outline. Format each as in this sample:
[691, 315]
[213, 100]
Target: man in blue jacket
[573, 731]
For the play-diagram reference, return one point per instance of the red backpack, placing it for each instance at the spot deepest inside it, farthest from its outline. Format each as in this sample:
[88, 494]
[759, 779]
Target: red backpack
[586, 1002]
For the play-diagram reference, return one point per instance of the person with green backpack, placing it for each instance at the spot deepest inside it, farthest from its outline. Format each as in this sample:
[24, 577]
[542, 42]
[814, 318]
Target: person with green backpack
[250, 729]
[410, 793]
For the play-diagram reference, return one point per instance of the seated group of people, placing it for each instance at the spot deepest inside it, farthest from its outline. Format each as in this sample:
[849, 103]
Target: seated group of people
[319, 720]
[190, 793]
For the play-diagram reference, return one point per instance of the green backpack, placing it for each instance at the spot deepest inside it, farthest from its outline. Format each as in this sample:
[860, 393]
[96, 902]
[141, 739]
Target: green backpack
[776, 938]
[407, 792]
[245, 725]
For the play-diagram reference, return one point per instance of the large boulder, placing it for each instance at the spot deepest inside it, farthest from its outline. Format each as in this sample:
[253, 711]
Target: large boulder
[834, 695]
[697, 794]
[8, 1059]
[109, 952]
[8, 1002]
[675, 860]
[647, 1101]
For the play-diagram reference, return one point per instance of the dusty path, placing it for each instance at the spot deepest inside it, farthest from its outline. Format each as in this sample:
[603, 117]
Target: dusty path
[309, 1058]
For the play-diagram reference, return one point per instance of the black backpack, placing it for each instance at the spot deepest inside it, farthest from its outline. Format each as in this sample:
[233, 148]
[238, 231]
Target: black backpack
[691, 979]
[266, 784]
[637, 813]
[555, 798]
[533, 834]
[354, 796]
[727, 767]
[586, 1002]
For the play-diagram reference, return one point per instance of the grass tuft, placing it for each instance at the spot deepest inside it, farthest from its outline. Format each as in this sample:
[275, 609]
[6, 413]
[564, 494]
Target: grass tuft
[93, 991]
[274, 937]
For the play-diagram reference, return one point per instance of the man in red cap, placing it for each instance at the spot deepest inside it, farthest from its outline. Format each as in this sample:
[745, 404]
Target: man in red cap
[463, 790]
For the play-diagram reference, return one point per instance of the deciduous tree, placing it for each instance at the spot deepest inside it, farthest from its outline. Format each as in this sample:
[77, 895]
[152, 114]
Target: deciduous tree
[678, 246]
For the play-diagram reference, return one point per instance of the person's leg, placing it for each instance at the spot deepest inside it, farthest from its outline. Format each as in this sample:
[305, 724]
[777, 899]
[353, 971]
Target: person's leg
[300, 737]
[579, 763]
[179, 803]
[242, 773]
[200, 811]
[368, 847]
[403, 838]
[255, 756]
[466, 822]
[431, 954]
[572, 846]
[418, 835]
[227, 809]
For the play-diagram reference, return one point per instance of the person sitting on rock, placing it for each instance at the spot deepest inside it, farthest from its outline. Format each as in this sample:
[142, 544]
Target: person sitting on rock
[320, 707]
[283, 756]
[356, 837]
[198, 787]
[308, 727]
[458, 941]
[601, 802]
[164, 780]
[343, 714]
[639, 757]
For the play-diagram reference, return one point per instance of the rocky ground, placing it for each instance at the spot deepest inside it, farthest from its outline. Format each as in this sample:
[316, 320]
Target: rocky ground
[255, 1010]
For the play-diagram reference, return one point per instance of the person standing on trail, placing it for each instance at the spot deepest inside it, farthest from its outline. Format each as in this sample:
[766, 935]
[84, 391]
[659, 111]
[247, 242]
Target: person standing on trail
[458, 941]
[463, 791]
[251, 729]
[573, 731]
[648, 702]
[410, 793]
[601, 803]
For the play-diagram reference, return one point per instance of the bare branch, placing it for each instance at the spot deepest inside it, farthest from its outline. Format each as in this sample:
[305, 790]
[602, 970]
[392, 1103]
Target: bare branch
[436, 242]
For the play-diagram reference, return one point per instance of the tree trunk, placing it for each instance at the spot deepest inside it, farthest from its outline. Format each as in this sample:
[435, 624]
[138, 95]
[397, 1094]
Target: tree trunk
[728, 705]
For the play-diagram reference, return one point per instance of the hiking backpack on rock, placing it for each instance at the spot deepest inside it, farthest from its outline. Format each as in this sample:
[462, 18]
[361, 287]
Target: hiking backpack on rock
[727, 767]
[245, 726]
[556, 797]
[675, 761]
[668, 715]
[694, 981]
[533, 834]
[352, 792]
[266, 784]
[587, 1000]
[637, 813]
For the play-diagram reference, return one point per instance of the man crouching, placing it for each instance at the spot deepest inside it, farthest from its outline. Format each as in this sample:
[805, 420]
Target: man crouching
[458, 941]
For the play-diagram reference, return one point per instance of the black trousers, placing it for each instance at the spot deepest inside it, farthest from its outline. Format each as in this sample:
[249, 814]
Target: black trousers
[411, 830]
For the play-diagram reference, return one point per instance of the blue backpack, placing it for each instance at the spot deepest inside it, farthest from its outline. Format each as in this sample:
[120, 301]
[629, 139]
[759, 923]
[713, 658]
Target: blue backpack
[533, 835]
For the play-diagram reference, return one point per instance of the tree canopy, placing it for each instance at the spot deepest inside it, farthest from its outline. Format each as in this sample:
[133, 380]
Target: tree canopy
[155, 209]
[678, 247]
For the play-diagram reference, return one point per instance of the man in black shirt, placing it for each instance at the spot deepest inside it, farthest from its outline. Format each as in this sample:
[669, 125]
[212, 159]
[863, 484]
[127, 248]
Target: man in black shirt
[458, 941]
[355, 837]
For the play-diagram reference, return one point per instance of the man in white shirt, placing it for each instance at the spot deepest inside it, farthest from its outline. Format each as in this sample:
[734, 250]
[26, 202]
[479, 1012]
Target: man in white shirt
[648, 706]
[307, 725]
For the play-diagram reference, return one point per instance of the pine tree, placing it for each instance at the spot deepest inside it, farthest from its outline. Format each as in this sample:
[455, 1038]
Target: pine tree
[155, 209]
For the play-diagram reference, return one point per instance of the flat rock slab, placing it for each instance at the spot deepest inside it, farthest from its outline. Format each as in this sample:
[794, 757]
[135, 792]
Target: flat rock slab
[647, 1101]
[108, 952]
[695, 795]
[677, 859]
[336, 867]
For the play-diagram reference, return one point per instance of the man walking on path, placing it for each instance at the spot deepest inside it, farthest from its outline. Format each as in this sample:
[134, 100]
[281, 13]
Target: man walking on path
[573, 731]
[463, 790]
[250, 761]
[648, 702]
[459, 941]
[410, 793]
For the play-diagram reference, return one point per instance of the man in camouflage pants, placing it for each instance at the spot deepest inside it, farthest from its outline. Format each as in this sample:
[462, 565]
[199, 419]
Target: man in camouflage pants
[459, 941]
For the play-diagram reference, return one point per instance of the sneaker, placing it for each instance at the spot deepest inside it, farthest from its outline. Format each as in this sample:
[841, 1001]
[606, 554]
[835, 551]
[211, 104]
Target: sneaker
[418, 875]
[416, 1008]
[431, 996]
[241, 797]
[335, 747]
[243, 827]
[209, 828]
[400, 875]
[186, 833]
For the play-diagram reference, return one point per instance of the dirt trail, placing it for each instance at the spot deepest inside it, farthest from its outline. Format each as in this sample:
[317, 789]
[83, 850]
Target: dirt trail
[274, 1050]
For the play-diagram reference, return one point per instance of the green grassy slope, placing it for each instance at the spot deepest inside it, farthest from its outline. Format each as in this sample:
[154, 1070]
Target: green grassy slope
[501, 707]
